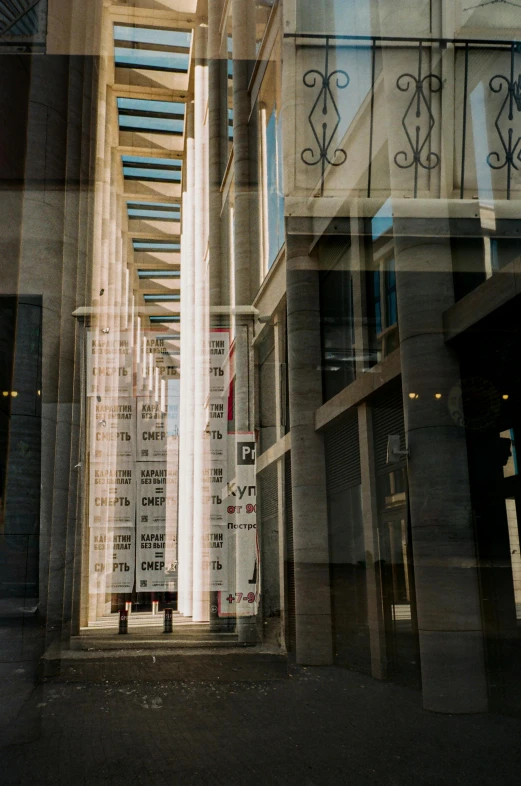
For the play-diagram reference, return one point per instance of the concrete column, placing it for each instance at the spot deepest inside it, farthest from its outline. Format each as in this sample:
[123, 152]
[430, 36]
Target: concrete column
[41, 264]
[243, 44]
[447, 592]
[308, 471]
[73, 295]
[186, 419]
[201, 595]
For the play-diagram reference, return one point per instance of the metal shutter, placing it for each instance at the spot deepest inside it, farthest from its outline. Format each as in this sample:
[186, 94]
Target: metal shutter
[269, 503]
[343, 454]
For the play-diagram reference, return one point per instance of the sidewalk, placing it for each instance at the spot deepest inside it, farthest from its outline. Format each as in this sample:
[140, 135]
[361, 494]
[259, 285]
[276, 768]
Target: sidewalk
[319, 726]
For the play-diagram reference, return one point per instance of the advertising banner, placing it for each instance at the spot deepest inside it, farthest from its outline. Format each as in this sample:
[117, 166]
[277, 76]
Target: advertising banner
[109, 364]
[111, 560]
[112, 498]
[156, 559]
[113, 428]
[241, 526]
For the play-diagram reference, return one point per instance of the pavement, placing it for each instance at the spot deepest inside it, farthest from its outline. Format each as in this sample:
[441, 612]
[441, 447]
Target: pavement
[317, 726]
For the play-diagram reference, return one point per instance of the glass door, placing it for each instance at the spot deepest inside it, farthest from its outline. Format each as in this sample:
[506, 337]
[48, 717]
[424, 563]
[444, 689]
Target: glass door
[398, 602]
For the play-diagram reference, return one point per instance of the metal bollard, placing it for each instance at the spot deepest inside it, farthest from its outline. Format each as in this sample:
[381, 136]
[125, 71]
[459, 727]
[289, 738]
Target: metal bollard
[155, 607]
[123, 621]
[167, 628]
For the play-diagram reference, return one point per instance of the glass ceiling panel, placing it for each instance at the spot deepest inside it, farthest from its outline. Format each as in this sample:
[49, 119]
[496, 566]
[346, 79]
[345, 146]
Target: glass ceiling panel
[159, 273]
[159, 169]
[148, 35]
[151, 48]
[173, 206]
[161, 298]
[148, 107]
[155, 215]
[158, 116]
[160, 162]
[144, 245]
[134, 173]
[151, 60]
[154, 124]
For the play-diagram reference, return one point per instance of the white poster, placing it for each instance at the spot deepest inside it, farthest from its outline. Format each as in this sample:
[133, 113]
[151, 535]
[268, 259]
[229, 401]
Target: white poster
[156, 559]
[157, 494]
[109, 364]
[157, 428]
[157, 352]
[112, 498]
[219, 359]
[113, 428]
[111, 560]
[218, 552]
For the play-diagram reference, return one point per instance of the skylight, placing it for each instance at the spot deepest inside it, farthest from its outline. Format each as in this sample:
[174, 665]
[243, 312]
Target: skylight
[161, 298]
[158, 211]
[161, 117]
[143, 168]
[169, 318]
[151, 48]
[155, 245]
[159, 273]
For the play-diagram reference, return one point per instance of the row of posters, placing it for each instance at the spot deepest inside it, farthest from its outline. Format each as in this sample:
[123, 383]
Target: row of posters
[133, 499]
[121, 369]
[146, 555]
[134, 439]
[118, 494]
[134, 429]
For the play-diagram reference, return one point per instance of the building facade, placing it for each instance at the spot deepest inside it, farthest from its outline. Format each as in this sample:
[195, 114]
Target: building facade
[265, 373]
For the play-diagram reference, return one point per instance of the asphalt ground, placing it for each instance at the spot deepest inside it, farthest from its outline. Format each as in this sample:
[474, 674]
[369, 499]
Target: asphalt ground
[318, 726]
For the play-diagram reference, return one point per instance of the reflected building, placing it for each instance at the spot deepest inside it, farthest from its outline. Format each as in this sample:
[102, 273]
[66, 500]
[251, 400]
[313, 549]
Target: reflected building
[259, 323]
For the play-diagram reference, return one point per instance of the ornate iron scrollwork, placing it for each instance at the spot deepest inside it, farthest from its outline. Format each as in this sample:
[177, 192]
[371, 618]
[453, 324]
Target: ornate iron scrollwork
[492, 2]
[511, 156]
[418, 108]
[324, 117]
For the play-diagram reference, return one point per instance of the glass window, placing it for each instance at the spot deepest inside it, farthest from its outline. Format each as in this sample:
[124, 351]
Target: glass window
[337, 318]
[382, 309]
[271, 164]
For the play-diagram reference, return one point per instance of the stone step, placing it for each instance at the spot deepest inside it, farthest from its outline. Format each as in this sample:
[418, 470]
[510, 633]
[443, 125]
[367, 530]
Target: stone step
[217, 664]
[149, 640]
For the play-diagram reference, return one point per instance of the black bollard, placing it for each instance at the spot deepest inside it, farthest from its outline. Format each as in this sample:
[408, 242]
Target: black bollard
[123, 621]
[168, 621]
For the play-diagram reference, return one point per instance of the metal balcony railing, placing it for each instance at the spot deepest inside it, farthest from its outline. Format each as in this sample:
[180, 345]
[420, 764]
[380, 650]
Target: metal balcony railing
[420, 149]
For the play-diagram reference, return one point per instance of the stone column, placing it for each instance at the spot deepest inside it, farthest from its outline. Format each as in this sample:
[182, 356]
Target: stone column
[446, 579]
[308, 470]
[201, 598]
[186, 415]
[216, 106]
